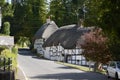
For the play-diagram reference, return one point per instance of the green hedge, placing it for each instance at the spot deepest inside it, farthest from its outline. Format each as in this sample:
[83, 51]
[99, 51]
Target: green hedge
[7, 53]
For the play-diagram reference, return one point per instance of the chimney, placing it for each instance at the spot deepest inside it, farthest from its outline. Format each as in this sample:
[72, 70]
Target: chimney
[48, 20]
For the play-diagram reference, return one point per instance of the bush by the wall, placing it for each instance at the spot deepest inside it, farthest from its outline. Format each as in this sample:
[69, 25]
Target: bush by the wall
[6, 28]
[8, 54]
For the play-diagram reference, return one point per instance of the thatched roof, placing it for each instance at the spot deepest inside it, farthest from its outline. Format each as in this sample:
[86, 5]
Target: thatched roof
[46, 30]
[67, 36]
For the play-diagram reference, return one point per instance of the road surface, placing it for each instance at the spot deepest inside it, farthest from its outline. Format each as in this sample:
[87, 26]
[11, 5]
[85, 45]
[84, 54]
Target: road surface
[41, 69]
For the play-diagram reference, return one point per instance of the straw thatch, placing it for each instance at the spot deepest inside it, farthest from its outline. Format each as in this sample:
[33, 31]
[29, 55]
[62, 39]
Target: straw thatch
[67, 36]
[46, 30]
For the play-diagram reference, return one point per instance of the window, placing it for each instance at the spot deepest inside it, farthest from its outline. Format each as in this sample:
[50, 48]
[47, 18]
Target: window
[112, 64]
[118, 64]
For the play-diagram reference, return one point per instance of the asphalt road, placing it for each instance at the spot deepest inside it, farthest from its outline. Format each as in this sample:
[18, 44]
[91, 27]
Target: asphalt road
[40, 69]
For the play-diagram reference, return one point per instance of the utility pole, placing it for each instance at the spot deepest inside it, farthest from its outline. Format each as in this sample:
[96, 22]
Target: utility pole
[84, 10]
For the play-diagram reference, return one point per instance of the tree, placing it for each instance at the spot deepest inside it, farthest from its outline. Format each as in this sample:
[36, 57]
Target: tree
[109, 22]
[2, 2]
[109, 19]
[64, 12]
[57, 11]
[32, 17]
[7, 15]
[105, 14]
[93, 12]
[95, 47]
[114, 46]
[7, 10]
[6, 28]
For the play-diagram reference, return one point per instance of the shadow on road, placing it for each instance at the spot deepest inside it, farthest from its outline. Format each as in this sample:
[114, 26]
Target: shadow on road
[72, 76]
[65, 67]
[27, 52]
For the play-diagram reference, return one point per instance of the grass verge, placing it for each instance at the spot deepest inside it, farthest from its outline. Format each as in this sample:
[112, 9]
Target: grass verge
[83, 68]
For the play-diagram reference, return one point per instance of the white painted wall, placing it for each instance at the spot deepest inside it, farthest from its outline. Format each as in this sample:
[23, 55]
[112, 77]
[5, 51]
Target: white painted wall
[55, 53]
[47, 53]
[38, 46]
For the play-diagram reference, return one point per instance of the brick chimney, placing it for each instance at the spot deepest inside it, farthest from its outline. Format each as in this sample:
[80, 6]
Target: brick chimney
[48, 20]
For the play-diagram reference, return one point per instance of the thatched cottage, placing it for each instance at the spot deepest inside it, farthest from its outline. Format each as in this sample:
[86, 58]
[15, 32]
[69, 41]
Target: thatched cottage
[63, 42]
[42, 34]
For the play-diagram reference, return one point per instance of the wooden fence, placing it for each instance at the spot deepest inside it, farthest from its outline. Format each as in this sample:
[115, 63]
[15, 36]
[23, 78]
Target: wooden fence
[5, 69]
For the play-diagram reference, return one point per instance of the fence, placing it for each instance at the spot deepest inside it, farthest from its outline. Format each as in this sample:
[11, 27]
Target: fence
[5, 69]
[5, 64]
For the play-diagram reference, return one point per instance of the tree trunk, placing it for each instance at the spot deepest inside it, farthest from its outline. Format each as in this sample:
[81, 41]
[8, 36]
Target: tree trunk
[95, 67]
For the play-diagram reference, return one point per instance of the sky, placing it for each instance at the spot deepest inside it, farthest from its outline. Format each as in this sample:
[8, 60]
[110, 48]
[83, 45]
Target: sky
[8, 1]
[48, 0]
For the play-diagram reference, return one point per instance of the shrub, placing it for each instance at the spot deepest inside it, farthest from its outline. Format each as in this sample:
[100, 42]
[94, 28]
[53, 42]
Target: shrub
[6, 28]
[15, 50]
[8, 54]
[23, 41]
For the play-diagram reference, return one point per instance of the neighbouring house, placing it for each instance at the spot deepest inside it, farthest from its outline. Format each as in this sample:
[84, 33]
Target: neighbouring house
[62, 44]
[42, 34]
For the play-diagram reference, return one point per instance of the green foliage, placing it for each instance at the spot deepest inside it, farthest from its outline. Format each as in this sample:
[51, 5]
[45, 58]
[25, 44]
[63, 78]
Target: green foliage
[1, 49]
[65, 12]
[14, 50]
[7, 13]
[6, 28]
[57, 11]
[8, 54]
[2, 2]
[109, 21]
[32, 17]
[114, 46]
[7, 10]
[93, 12]
[23, 42]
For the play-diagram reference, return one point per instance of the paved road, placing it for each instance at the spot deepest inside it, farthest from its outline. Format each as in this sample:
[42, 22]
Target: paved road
[40, 69]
